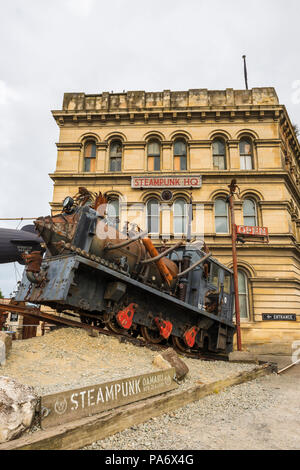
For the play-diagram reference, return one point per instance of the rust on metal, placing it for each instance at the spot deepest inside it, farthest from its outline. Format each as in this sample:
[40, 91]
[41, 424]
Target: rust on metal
[33, 261]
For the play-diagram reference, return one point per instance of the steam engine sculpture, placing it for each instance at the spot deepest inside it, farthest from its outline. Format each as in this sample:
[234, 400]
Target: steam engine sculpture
[119, 280]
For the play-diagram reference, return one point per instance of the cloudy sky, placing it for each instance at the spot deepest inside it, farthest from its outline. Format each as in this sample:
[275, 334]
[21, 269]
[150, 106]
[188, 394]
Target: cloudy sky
[48, 47]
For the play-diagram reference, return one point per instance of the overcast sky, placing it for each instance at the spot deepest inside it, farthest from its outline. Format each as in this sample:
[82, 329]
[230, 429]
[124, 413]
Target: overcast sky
[48, 47]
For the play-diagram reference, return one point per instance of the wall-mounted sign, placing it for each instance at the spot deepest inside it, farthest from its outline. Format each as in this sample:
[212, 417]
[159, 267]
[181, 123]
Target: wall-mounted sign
[166, 181]
[253, 231]
[71, 405]
[279, 316]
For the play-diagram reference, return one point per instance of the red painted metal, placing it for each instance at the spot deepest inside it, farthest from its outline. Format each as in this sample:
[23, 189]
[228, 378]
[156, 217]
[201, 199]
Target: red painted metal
[189, 336]
[125, 317]
[252, 231]
[165, 327]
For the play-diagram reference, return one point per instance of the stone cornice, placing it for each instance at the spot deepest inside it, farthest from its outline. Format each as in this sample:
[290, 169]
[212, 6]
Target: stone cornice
[211, 114]
[68, 145]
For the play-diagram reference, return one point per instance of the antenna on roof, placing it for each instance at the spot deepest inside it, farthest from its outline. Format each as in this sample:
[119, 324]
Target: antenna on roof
[245, 72]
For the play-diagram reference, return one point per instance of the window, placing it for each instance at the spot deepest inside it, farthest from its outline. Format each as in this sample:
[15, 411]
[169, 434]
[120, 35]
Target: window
[221, 216]
[250, 214]
[153, 216]
[180, 160]
[243, 294]
[153, 155]
[113, 212]
[90, 156]
[115, 156]
[246, 155]
[180, 216]
[219, 154]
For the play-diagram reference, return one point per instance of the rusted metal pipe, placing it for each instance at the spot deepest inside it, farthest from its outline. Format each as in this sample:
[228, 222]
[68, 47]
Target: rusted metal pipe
[125, 243]
[161, 255]
[163, 269]
[194, 265]
[232, 189]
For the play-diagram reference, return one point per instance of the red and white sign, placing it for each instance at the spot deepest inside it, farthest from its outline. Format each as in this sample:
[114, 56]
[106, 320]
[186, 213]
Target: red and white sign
[166, 181]
[253, 231]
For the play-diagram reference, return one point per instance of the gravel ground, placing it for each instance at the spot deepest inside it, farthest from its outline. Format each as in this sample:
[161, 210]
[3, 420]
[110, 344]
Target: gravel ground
[69, 358]
[262, 414]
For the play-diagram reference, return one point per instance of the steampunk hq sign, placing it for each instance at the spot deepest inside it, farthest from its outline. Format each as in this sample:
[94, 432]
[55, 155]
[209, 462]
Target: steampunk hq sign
[174, 181]
[75, 404]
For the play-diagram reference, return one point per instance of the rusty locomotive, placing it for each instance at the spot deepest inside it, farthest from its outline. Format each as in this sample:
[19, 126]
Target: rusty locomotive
[119, 280]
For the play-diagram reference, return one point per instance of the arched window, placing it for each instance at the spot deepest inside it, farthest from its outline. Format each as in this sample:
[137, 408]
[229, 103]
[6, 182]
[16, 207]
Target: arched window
[219, 154]
[221, 216]
[243, 294]
[153, 155]
[246, 154]
[153, 216]
[113, 212]
[180, 159]
[250, 213]
[115, 155]
[180, 216]
[89, 156]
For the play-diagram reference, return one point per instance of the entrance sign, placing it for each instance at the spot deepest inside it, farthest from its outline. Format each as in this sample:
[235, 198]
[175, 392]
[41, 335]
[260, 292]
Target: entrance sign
[279, 316]
[71, 405]
[166, 181]
[252, 231]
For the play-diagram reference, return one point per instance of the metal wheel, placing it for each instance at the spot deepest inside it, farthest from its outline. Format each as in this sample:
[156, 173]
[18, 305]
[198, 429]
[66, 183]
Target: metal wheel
[113, 326]
[152, 336]
[179, 344]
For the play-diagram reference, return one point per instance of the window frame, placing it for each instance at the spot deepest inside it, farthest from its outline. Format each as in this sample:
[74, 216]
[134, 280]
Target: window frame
[255, 212]
[183, 216]
[246, 294]
[115, 224]
[157, 216]
[156, 157]
[218, 155]
[222, 198]
[89, 159]
[243, 156]
[113, 158]
[183, 157]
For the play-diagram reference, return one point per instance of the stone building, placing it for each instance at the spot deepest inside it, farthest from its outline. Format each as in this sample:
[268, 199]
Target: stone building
[154, 153]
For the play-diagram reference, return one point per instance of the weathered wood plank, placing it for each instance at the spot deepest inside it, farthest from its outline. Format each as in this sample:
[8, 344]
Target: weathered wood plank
[83, 432]
[71, 405]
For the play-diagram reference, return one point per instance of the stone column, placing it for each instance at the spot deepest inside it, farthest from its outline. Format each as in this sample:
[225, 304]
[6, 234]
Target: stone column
[166, 156]
[101, 157]
[233, 155]
[166, 229]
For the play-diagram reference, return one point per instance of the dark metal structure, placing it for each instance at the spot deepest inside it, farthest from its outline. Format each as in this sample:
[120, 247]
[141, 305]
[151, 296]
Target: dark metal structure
[15, 242]
[118, 280]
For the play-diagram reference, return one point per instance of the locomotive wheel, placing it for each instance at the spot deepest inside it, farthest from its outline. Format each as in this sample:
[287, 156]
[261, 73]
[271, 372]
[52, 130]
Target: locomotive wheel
[152, 336]
[179, 344]
[113, 326]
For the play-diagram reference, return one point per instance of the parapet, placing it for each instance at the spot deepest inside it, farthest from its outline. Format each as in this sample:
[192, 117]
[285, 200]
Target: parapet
[142, 100]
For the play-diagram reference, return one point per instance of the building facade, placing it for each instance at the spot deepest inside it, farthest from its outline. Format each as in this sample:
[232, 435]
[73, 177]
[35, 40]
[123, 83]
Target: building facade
[158, 154]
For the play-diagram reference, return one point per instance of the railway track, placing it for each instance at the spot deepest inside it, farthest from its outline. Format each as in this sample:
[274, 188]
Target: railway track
[122, 337]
